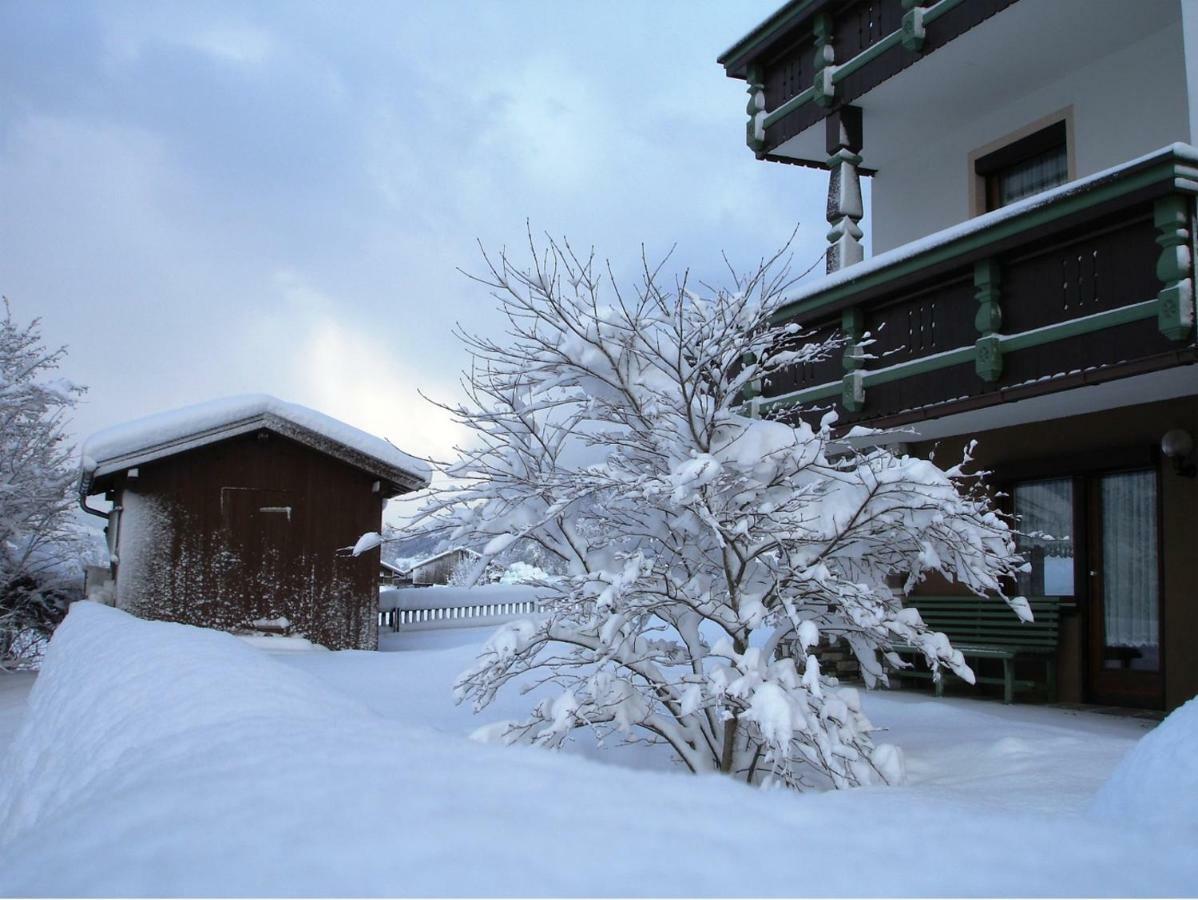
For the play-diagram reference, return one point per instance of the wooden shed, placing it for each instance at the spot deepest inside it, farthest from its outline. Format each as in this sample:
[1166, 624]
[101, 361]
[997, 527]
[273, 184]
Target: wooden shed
[439, 569]
[230, 514]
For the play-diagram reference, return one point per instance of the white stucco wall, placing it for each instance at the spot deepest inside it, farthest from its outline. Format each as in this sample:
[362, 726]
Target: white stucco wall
[1189, 25]
[1124, 104]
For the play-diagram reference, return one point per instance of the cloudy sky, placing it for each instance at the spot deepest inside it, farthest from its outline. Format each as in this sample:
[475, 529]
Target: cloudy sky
[213, 198]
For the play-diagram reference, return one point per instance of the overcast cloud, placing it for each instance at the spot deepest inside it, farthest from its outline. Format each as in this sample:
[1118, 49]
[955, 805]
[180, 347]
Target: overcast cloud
[219, 198]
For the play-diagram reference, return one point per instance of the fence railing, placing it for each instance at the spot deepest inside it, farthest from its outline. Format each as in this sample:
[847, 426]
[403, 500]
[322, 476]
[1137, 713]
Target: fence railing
[417, 609]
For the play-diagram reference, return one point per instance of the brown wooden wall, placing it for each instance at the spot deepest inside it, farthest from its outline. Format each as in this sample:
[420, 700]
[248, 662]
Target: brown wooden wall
[248, 529]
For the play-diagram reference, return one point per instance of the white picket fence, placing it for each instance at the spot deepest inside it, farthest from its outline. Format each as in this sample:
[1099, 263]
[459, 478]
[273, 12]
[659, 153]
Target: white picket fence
[420, 609]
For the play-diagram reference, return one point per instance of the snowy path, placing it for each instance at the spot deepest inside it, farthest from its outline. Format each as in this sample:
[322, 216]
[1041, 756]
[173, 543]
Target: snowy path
[163, 760]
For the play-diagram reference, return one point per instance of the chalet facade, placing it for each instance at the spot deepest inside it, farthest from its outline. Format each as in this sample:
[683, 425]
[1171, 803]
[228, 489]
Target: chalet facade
[230, 515]
[1032, 225]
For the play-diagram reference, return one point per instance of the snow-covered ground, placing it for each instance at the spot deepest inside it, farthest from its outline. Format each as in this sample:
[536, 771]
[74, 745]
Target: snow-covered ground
[161, 759]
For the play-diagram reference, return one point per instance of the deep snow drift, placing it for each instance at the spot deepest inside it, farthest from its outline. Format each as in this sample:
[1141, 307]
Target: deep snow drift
[163, 759]
[1157, 783]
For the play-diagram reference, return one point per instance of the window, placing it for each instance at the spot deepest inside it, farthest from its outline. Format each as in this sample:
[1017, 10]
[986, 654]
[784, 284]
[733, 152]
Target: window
[1024, 167]
[1045, 513]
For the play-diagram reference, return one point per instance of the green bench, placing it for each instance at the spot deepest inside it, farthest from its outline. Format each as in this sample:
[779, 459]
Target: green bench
[986, 628]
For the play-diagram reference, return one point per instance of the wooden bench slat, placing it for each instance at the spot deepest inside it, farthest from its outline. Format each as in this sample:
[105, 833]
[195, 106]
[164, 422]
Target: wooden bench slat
[987, 628]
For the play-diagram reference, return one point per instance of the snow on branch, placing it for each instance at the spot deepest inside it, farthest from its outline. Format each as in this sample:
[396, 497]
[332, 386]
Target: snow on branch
[39, 544]
[707, 552]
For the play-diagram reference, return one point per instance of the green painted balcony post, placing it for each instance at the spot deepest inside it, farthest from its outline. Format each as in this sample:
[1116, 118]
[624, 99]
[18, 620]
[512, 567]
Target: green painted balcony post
[987, 283]
[852, 391]
[752, 388]
[755, 127]
[913, 27]
[825, 56]
[1174, 267]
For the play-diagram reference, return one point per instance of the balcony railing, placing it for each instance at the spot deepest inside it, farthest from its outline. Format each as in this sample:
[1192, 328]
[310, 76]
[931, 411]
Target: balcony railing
[1089, 281]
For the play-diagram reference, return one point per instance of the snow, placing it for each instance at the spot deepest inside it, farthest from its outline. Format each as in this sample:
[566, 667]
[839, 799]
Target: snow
[521, 572]
[280, 642]
[163, 433]
[1157, 783]
[159, 759]
[367, 542]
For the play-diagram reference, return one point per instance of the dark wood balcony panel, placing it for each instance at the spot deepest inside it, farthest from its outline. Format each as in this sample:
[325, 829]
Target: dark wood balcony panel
[1100, 269]
[789, 75]
[923, 322]
[1109, 347]
[917, 391]
[863, 24]
[1036, 369]
[857, 28]
[806, 375]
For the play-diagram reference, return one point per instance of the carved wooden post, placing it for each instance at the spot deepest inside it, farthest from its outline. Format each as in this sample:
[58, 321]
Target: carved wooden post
[825, 56]
[755, 127]
[844, 188]
[852, 391]
[1175, 267]
[913, 29]
[987, 281]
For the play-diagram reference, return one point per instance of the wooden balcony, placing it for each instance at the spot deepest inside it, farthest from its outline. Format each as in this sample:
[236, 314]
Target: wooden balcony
[1085, 283]
[813, 54]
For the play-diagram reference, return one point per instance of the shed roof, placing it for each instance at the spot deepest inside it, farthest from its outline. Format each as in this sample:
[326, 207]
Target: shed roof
[437, 556]
[176, 431]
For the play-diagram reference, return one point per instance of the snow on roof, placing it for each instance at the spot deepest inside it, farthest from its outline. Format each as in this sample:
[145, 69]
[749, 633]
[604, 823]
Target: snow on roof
[436, 556]
[175, 431]
[936, 239]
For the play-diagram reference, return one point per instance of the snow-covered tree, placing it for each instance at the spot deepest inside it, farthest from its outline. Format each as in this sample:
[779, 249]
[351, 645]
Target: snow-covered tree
[707, 550]
[38, 539]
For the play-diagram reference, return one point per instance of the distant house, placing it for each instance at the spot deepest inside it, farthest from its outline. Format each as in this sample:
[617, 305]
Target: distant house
[439, 569]
[391, 575]
[231, 513]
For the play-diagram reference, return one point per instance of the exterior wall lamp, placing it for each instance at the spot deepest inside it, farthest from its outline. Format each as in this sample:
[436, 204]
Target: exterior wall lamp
[1178, 446]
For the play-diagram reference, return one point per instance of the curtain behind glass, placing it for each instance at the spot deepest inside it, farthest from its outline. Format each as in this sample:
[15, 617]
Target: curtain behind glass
[1129, 559]
[1045, 513]
[1034, 175]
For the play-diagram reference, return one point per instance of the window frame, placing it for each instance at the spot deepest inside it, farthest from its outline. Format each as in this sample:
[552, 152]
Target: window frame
[1034, 139]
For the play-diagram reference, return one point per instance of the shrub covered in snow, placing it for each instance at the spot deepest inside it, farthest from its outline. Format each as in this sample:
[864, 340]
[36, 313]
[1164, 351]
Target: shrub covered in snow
[40, 548]
[522, 573]
[707, 551]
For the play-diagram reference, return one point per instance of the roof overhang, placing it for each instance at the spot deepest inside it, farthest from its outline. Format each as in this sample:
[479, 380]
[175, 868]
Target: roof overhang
[777, 29]
[96, 469]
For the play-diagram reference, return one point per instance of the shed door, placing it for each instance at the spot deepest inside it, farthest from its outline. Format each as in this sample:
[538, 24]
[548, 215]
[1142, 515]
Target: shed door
[262, 537]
